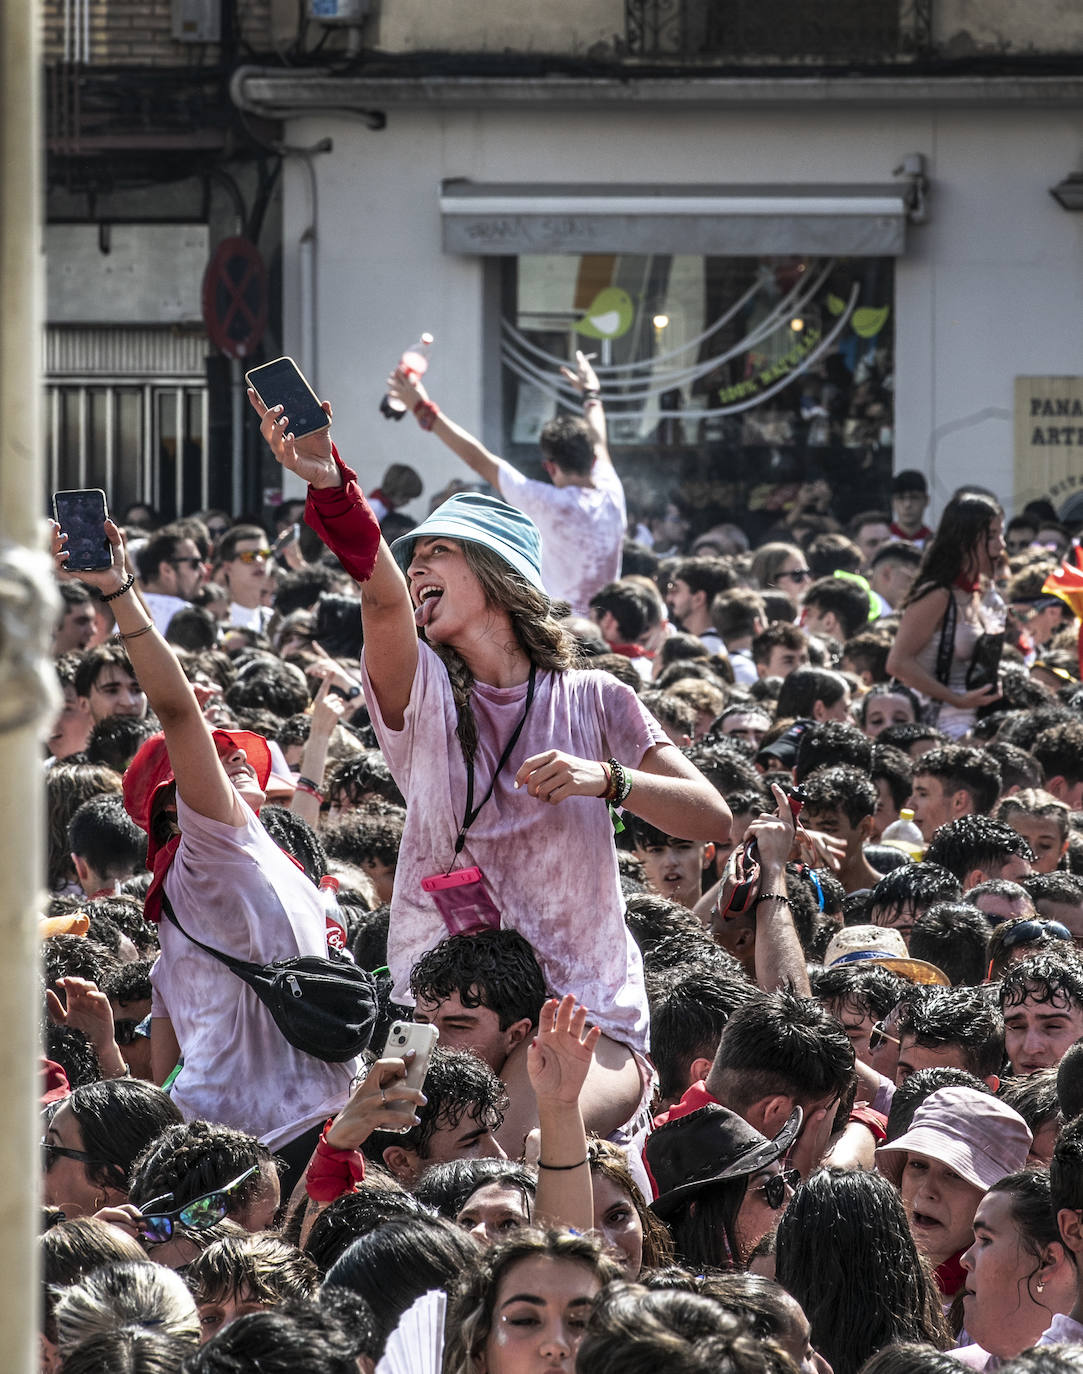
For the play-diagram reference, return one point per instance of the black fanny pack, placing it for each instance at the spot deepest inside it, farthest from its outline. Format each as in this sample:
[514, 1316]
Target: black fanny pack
[323, 1007]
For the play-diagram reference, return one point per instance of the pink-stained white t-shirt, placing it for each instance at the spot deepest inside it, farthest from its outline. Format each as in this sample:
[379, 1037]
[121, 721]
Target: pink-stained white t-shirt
[551, 869]
[1062, 1330]
[234, 889]
[582, 530]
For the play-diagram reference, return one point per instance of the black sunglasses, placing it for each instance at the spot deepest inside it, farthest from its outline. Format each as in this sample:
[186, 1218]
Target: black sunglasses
[187, 562]
[797, 574]
[774, 1187]
[1033, 930]
[124, 1030]
[50, 1153]
[878, 1038]
[158, 1227]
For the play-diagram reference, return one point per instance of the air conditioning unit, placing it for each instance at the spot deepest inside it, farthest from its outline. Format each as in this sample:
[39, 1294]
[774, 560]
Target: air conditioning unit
[197, 21]
[343, 12]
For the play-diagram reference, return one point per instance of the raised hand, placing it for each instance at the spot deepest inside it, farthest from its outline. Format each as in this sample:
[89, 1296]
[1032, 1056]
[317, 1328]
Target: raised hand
[584, 378]
[376, 1104]
[309, 457]
[562, 1052]
[327, 710]
[106, 580]
[405, 387]
[774, 835]
[85, 1008]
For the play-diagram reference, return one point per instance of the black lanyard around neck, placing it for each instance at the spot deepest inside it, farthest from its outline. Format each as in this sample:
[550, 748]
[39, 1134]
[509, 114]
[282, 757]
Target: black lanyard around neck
[470, 815]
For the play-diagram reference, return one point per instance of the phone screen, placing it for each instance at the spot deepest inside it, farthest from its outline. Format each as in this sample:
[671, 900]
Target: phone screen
[81, 515]
[281, 383]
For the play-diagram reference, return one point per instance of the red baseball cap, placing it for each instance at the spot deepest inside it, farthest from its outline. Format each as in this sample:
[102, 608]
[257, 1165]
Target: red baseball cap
[151, 769]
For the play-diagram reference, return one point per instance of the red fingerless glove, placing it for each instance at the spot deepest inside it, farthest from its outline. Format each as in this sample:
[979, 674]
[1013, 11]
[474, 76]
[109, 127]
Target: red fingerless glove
[333, 1172]
[344, 521]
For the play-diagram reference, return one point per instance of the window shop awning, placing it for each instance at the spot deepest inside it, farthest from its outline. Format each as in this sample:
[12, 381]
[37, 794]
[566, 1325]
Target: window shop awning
[491, 219]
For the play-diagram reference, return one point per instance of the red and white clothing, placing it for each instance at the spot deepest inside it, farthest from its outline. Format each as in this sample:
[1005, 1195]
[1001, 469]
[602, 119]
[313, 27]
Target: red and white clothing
[234, 889]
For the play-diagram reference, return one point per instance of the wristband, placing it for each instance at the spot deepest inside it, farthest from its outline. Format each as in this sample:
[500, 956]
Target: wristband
[779, 897]
[427, 413]
[120, 590]
[561, 1168]
[332, 1172]
[134, 634]
[620, 784]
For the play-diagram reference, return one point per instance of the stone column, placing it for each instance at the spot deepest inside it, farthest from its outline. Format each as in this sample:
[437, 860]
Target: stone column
[27, 688]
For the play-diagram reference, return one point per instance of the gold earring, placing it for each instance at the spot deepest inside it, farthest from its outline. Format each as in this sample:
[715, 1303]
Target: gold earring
[99, 1201]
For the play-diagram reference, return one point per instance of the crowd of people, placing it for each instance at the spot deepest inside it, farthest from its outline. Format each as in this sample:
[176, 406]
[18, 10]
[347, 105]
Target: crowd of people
[741, 889]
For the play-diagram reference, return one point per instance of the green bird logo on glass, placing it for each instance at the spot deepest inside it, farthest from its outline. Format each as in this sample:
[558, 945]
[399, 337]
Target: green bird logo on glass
[609, 315]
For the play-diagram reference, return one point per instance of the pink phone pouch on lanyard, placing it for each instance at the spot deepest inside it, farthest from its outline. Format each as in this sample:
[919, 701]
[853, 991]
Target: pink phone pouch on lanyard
[463, 901]
[462, 897]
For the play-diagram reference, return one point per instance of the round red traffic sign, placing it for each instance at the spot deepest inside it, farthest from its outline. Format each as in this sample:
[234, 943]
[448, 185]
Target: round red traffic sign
[235, 297]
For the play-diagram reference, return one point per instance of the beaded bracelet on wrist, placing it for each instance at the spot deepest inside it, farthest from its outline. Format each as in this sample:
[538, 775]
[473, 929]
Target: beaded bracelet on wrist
[127, 586]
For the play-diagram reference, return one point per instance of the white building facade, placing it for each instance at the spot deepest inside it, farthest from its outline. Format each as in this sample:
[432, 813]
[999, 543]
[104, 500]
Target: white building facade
[932, 197]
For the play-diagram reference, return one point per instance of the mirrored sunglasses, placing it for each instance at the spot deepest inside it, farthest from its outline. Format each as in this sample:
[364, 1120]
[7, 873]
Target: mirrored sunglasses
[158, 1227]
[253, 555]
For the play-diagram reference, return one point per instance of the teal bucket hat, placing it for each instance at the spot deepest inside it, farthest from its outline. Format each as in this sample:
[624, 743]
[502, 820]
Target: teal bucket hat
[476, 519]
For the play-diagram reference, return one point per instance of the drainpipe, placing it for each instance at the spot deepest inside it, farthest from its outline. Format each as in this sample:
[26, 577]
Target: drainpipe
[28, 692]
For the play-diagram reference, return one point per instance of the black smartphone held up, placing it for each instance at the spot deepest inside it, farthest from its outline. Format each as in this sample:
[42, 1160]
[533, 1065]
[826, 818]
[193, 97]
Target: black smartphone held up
[81, 515]
[282, 383]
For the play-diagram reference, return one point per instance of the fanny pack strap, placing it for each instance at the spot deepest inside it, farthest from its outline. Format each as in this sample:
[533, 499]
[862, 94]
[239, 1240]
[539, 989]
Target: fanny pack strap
[241, 967]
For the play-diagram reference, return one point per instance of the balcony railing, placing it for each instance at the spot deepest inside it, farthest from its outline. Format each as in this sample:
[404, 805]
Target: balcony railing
[798, 32]
[97, 109]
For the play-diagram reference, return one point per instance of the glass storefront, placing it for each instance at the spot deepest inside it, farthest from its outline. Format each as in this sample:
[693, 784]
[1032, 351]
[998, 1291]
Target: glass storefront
[735, 386]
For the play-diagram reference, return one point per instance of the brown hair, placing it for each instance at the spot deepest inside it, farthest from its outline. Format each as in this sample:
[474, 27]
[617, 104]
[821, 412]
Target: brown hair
[471, 1317]
[611, 1162]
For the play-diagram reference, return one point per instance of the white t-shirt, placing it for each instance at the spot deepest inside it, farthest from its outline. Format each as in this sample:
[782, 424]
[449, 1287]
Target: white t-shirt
[744, 669]
[163, 608]
[234, 889]
[974, 1357]
[551, 870]
[250, 617]
[582, 530]
[1062, 1330]
[712, 641]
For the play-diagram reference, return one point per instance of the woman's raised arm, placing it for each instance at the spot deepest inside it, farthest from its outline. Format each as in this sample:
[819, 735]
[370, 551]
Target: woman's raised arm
[339, 514]
[201, 778]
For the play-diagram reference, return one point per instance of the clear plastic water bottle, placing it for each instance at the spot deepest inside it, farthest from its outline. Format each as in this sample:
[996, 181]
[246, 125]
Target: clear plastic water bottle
[904, 834]
[414, 363]
[336, 927]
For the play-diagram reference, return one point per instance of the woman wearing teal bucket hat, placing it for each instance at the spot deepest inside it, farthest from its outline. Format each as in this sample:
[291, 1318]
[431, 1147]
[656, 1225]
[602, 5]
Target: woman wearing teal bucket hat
[506, 755]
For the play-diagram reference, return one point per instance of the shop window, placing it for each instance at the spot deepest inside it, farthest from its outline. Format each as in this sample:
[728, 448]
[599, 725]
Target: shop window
[744, 388]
